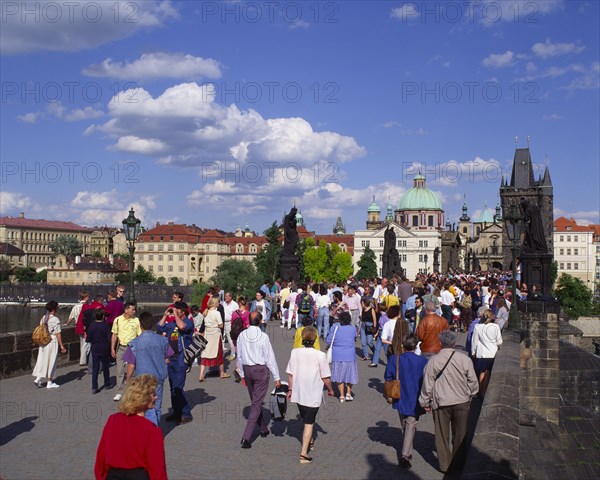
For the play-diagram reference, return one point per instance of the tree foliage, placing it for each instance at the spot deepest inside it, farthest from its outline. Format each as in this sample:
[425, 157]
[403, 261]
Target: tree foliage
[367, 265]
[575, 297]
[198, 292]
[25, 274]
[238, 277]
[268, 259]
[341, 267]
[161, 281]
[141, 276]
[175, 281]
[5, 269]
[66, 245]
[315, 260]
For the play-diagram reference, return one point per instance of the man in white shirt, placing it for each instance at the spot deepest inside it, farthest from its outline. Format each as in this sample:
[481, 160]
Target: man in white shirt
[255, 359]
[447, 302]
[229, 306]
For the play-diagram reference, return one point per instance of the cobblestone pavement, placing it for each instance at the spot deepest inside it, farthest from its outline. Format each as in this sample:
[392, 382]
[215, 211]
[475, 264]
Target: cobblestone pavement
[53, 434]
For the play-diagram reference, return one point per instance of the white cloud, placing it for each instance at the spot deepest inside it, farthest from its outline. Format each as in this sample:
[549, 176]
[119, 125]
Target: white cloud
[453, 173]
[299, 24]
[109, 208]
[13, 203]
[210, 132]
[30, 117]
[552, 116]
[549, 49]
[498, 60]
[30, 26]
[406, 12]
[157, 65]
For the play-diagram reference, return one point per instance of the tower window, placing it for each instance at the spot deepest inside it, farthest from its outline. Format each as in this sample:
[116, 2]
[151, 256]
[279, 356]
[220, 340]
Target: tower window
[430, 221]
[415, 221]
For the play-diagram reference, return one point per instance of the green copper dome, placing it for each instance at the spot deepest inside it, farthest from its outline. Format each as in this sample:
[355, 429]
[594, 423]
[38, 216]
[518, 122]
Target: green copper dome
[373, 207]
[419, 197]
[486, 216]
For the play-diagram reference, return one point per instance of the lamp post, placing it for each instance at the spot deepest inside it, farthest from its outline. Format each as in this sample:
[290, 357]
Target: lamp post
[131, 227]
[425, 257]
[512, 220]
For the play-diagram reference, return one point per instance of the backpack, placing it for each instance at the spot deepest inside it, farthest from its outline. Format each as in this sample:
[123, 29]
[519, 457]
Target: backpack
[304, 306]
[237, 327]
[278, 402]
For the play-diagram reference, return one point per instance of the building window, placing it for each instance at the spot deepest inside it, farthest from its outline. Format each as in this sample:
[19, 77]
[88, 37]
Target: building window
[415, 222]
[150, 258]
[562, 266]
[180, 258]
[575, 251]
[180, 269]
[401, 243]
[562, 238]
[141, 247]
[239, 248]
[575, 266]
[170, 268]
[568, 238]
[365, 243]
[160, 268]
[150, 248]
[151, 237]
[465, 230]
[342, 247]
[420, 258]
[160, 258]
[150, 268]
[575, 238]
[252, 248]
[171, 237]
[403, 258]
[170, 258]
[381, 243]
[568, 251]
[381, 258]
[161, 248]
[181, 246]
[562, 251]
[430, 221]
[170, 248]
[568, 266]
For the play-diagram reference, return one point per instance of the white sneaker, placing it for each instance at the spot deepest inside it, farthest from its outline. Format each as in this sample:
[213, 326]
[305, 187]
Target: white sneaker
[52, 385]
[38, 382]
[117, 397]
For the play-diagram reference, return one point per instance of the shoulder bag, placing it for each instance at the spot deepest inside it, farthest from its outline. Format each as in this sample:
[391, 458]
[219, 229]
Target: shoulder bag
[391, 388]
[41, 336]
[330, 349]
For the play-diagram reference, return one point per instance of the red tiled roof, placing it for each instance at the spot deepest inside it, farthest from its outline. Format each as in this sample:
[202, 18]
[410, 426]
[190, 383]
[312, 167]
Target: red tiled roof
[42, 224]
[10, 249]
[562, 224]
[180, 233]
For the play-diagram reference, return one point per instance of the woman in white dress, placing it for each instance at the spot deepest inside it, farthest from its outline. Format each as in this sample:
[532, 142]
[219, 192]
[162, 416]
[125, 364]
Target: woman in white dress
[212, 355]
[45, 366]
[485, 342]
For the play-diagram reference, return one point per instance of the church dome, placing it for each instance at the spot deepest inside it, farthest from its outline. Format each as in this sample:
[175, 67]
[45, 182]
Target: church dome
[486, 216]
[374, 207]
[419, 197]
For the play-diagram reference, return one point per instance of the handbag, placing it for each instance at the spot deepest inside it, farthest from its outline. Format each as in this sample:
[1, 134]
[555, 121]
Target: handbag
[194, 349]
[330, 349]
[391, 388]
[41, 336]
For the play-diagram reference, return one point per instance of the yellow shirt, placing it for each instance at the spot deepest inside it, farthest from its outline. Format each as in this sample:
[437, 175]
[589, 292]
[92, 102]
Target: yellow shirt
[391, 300]
[126, 329]
[298, 340]
[284, 294]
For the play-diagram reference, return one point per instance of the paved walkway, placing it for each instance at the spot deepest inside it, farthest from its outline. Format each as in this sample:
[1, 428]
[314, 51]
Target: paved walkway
[54, 433]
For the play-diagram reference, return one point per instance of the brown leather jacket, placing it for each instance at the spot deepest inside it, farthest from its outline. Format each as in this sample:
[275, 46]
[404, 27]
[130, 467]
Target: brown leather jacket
[429, 330]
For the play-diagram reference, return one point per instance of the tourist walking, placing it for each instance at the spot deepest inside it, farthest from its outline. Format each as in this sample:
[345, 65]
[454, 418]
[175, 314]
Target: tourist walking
[179, 333]
[409, 368]
[212, 355]
[308, 370]
[124, 329]
[99, 337]
[149, 354]
[306, 321]
[131, 447]
[367, 327]
[449, 383]
[229, 306]
[344, 370]
[381, 321]
[429, 330]
[487, 337]
[45, 365]
[256, 360]
[322, 308]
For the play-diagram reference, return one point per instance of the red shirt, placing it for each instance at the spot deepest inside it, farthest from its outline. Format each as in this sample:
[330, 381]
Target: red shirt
[79, 326]
[131, 441]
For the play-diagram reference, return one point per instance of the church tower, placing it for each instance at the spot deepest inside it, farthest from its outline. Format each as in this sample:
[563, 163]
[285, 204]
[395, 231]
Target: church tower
[373, 216]
[523, 184]
[464, 222]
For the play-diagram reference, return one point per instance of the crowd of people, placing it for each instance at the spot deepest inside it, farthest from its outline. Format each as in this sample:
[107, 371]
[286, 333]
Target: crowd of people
[415, 324]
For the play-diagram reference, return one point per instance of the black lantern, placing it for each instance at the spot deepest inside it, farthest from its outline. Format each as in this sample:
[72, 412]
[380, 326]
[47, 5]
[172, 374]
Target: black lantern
[131, 228]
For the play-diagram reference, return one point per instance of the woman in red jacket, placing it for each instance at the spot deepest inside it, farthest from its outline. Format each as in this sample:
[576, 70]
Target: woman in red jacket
[132, 447]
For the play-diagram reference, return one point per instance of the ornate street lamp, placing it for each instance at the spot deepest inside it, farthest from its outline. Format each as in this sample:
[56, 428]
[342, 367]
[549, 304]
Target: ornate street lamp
[513, 222]
[131, 227]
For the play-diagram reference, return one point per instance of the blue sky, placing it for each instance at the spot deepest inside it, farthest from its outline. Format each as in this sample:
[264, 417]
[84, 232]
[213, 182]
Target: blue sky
[226, 113]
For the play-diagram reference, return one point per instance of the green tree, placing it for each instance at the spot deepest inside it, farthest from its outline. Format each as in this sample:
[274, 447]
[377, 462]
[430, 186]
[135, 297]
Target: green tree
[553, 273]
[5, 269]
[268, 259]
[175, 281]
[25, 274]
[300, 249]
[367, 267]
[161, 281]
[41, 276]
[315, 260]
[237, 276]
[198, 292]
[143, 276]
[66, 245]
[575, 297]
[341, 267]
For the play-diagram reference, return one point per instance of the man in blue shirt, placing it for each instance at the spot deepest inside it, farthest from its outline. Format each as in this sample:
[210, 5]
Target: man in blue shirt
[149, 353]
[179, 334]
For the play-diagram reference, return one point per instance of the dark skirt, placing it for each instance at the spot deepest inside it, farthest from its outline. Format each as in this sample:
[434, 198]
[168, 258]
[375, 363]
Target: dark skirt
[483, 364]
[308, 414]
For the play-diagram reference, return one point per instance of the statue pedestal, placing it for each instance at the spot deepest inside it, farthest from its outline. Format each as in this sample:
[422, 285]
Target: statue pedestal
[536, 269]
[289, 269]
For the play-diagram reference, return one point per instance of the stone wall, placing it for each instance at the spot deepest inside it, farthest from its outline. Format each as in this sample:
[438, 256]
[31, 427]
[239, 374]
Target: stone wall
[18, 353]
[579, 377]
[590, 326]
[70, 293]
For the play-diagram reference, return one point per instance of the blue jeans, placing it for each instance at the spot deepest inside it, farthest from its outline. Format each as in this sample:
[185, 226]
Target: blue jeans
[300, 317]
[181, 407]
[153, 414]
[378, 346]
[366, 339]
[323, 321]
